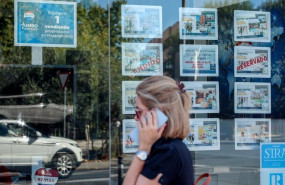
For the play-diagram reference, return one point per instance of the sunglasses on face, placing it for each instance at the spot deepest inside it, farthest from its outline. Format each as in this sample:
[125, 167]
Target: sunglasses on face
[138, 113]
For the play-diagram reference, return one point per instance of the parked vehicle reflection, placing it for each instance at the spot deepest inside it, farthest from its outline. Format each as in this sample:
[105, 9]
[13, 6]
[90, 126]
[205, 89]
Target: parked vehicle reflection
[20, 143]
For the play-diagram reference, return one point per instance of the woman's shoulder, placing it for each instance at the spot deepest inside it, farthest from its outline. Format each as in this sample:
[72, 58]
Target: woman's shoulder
[172, 158]
[174, 146]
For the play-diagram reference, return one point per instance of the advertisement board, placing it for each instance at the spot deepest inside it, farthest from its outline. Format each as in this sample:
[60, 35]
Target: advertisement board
[250, 132]
[204, 134]
[254, 62]
[204, 96]
[129, 145]
[45, 23]
[142, 59]
[198, 23]
[272, 164]
[139, 21]
[129, 96]
[199, 60]
[252, 97]
[252, 26]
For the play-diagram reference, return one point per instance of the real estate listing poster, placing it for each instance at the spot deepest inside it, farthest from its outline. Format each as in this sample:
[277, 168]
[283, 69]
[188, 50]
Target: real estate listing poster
[252, 26]
[252, 98]
[250, 132]
[204, 96]
[129, 145]
[204, 134]
[45, 23]
[140, 21]
[142, 59]
[198, 23]
[129, 96]
[254, 62]
[199, 60]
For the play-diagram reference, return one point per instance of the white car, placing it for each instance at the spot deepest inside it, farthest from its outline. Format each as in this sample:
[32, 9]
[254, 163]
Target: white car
[20, 143]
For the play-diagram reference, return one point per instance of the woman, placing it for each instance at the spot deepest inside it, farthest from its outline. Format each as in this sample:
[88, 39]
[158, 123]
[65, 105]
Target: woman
[168, 159]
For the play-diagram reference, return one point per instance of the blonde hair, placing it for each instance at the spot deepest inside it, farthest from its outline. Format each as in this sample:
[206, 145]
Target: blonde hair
[163, 93]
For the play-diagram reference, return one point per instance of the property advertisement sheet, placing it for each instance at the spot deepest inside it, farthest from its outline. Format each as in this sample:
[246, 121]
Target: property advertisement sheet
[254, 62]
[199, 60]
[204, 134]
[252, 26]
[204, 95]
[249, 133]
[129, 96]
[272, 163]
[142, 59]
[129, 145]
[140, 21]
[45, 23]
[252, 98]
[198, 23]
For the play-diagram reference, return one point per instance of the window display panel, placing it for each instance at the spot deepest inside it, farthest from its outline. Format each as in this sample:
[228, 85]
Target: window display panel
[253, 26]
[59, 28]
[252, 62]
[252, 97]
[129, 96]
[272, 163]
[198, 23]
[250, 133]
[204, 134]
[204, 95]
[94, 90]
[141, 21]
[198, 60]
[265, 23]
[141, 59]
[129, 145]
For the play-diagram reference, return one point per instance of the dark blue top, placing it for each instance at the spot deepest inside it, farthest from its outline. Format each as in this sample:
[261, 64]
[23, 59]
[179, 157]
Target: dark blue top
[171, 158]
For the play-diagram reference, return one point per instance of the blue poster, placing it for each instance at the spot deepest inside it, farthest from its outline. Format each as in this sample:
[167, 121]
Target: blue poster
[45, 23]
[273, 155]
[272, 164]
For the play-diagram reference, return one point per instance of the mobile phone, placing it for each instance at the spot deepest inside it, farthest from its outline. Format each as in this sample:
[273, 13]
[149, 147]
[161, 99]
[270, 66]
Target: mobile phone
[161, 119]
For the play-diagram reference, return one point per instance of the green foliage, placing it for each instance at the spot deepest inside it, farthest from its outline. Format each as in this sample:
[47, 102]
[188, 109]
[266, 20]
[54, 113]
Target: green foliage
[91, 57]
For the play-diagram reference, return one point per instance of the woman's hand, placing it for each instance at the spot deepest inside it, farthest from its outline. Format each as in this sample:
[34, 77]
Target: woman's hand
[148, 131]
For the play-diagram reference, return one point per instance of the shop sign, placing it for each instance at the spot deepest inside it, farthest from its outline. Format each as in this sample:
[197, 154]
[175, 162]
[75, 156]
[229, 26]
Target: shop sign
[45, 23]
[46, 176]
[272, 164]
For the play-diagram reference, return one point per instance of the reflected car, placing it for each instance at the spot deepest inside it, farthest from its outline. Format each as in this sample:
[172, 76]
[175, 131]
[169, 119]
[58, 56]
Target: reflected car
[20, 144]
[33, 108]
